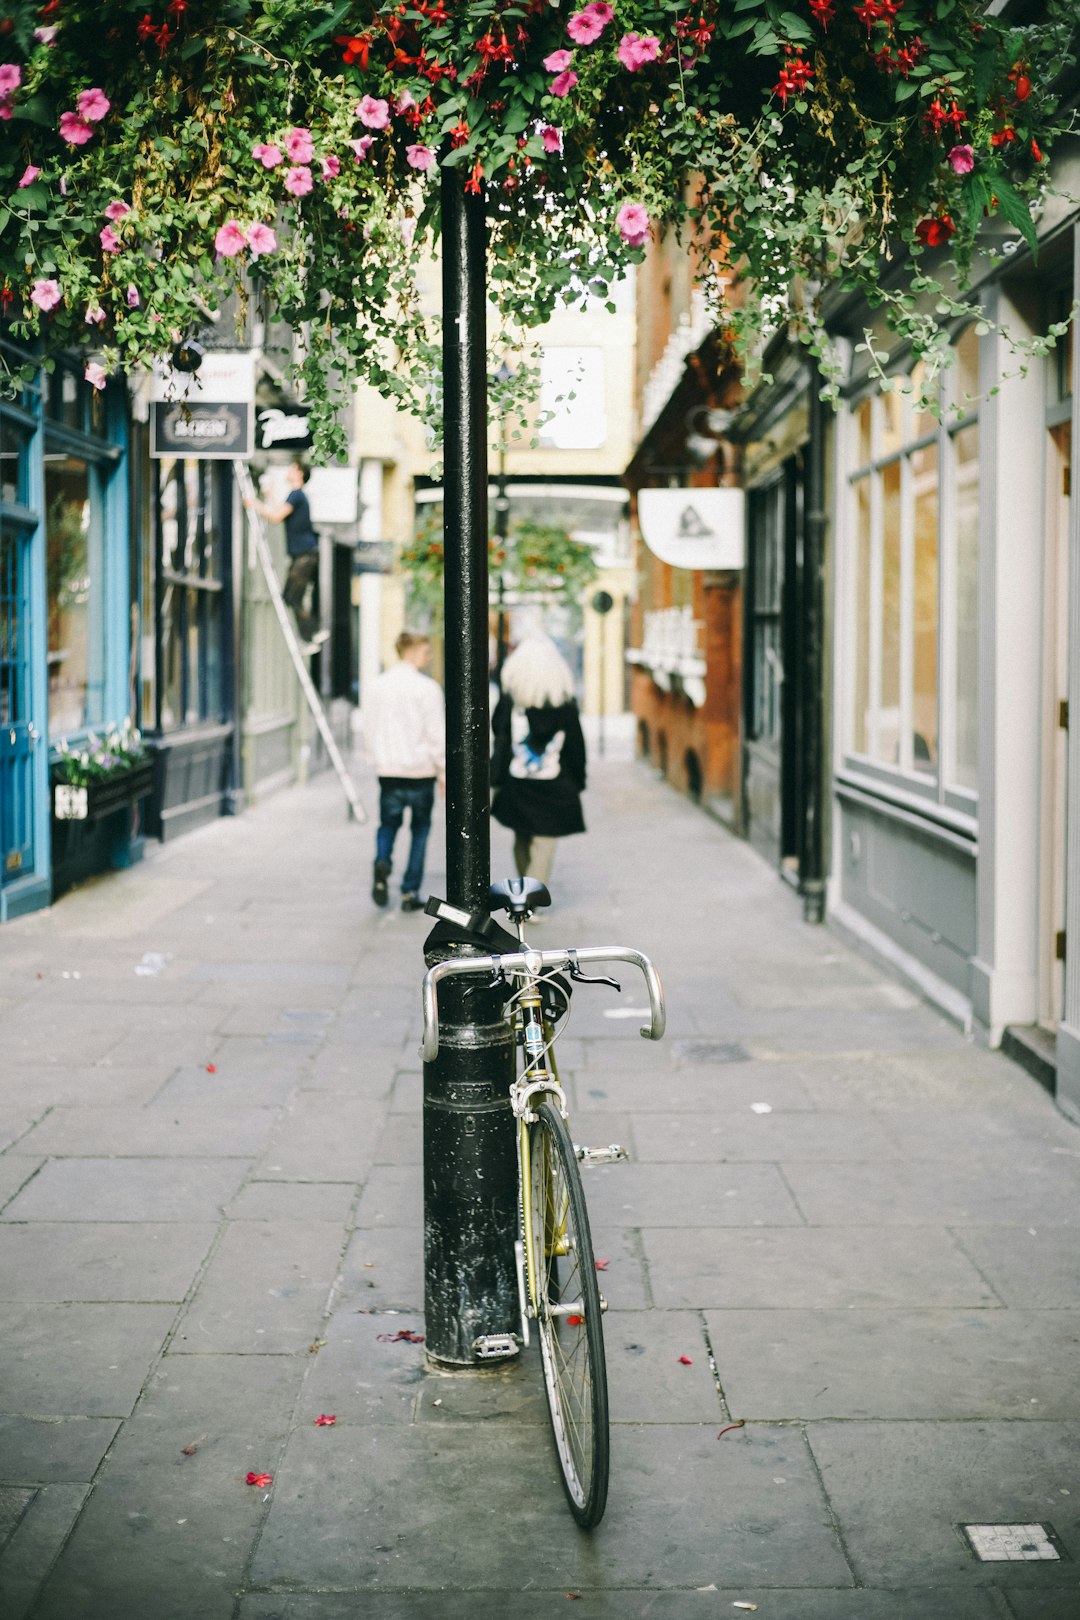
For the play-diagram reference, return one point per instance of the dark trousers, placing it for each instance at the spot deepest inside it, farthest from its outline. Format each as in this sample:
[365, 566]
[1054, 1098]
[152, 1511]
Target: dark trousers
[396, 795]
[303, 571]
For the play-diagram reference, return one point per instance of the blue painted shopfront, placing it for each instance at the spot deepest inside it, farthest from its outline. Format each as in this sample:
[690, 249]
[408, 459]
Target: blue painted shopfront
[65, 601]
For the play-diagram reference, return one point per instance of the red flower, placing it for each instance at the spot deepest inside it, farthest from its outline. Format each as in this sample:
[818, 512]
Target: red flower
[260, 1480]
[147, 28]
[936, 230]
[686, 1361]
[1003, 137]
[795, 75]
[1035, 152]
[164, 38]
[1021, 82]
[868, 13]
[176, 8]
[357, 49]
[473, 182]
[325, 1420]
[824, 11]
[460, 133]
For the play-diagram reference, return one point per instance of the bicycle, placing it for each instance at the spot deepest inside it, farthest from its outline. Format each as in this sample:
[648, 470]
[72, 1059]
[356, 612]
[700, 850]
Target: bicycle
[556, 1270]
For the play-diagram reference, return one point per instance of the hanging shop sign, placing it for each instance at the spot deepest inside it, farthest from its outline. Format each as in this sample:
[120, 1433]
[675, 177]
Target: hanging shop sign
[200, 430]
[282, 427]
[694, 528]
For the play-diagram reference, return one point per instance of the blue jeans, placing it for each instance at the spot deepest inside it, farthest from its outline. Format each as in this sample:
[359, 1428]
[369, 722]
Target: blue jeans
[418, 798]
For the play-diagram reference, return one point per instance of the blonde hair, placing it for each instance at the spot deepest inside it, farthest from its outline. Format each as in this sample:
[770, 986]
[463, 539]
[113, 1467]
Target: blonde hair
[536, 673]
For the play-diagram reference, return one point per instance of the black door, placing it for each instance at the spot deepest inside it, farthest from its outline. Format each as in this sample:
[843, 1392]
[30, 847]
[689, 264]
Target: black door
[771, 789]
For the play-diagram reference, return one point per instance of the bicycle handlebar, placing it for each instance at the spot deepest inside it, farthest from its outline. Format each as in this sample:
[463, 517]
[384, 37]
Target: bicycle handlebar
[532, 963]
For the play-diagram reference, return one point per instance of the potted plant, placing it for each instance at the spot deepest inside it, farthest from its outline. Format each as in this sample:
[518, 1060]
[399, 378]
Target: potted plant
[101, 775]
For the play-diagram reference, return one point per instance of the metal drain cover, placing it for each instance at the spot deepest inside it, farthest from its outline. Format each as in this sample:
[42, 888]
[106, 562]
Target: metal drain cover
[712, 1052]
[1011, 1543]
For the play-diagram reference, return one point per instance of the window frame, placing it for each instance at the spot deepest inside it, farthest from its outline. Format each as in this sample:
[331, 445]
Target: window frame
[938, 792]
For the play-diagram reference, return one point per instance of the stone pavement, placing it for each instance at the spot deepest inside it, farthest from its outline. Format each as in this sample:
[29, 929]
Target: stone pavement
[860, 1228]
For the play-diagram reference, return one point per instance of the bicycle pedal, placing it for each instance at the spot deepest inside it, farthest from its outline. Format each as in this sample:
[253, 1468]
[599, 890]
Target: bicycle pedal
[496, 1346]
[611, 1154]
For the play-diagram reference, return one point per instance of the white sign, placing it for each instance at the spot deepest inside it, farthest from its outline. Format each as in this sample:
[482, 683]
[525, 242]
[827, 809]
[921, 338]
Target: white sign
[332, 494]
[225, 377]
[694, 528]
[70, 803]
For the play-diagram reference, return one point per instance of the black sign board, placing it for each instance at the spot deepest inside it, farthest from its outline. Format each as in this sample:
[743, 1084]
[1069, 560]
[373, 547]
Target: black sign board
[200, 430]
[282, 427]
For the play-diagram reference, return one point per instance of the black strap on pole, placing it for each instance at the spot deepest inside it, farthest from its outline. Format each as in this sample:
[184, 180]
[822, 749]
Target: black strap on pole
[470, 1170]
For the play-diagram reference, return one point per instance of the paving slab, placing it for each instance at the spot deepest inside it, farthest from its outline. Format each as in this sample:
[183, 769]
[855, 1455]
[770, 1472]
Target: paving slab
[935, 1192]
[58, 1260]
[40, 1086]
[38, 1537]
[714, 1137]
[350, 1513]
[78, 1360]
[900, 1490]
[382, 1270]
[393, 1195]
[265, 1289]
[128, 1190]
[810, 1267]
[689, 1195]
[323, 1137]
[179, 1131]
[1028, 1267]
[898, 1364]
[16, 1172]
[622, 1603]
[294, 1201]
[222, 1086]
[210, 1394]
[47, 1451]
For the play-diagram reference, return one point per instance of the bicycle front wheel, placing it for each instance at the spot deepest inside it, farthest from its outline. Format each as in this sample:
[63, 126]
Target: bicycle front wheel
[567, 1304]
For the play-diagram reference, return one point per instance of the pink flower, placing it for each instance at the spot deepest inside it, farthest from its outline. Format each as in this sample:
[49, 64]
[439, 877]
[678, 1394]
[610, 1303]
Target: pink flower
[407, 229]
[74, 130]
[298, 181]
[373, 112]
[10, 78]
[558, 61]
[45, 36]
[552, 138]
[362, 146]
[419, 157]
[94, 314]
[635, 50]
[633, 222]
[230, 239]
[269, 156]
[45, 294]
[590, 22]
[133, 299]
[961, 159]
[331, 167]
[260, 239]
[117, 210]
[299, 146]
[30, 174]
[563, 84]
[6, 107]
[110, 242]
[95, 374]
[93, 105]
[404, 102]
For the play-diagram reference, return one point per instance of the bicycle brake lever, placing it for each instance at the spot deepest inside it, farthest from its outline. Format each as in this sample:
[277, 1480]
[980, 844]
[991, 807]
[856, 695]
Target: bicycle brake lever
[497, 978]
[578, 977]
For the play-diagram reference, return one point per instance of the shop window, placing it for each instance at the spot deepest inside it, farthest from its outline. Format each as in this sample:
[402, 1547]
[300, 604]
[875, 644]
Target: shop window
[193, 532]
[76, 589]
[913, 579]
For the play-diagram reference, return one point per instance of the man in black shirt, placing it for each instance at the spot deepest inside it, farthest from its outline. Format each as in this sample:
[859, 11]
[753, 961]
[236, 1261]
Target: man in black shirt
[302, 544]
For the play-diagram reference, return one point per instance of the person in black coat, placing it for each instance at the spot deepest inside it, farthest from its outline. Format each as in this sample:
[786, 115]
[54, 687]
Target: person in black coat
[538, 759]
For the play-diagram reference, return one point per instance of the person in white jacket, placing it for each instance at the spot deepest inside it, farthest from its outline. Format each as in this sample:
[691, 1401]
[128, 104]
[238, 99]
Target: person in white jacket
[405, 734]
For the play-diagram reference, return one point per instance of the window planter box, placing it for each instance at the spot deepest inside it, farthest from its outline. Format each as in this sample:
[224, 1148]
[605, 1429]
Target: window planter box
[114, 792]
[98, 828]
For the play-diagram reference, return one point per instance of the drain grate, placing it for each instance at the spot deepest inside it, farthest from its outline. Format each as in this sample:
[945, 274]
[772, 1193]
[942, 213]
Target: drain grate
[712, 1052]
[1012, 1543]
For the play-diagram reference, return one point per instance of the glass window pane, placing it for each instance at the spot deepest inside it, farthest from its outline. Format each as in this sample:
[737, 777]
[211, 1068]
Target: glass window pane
[966, 743]
[863, 421]
[172, 661]
[892, 423]
[14, 461]
[924, 705]
[70, 575]
[887, 748]
[860, 717]
[965, 373]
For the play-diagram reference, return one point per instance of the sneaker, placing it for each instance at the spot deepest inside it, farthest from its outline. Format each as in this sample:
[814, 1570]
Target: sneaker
[411, 902]
[380, 889]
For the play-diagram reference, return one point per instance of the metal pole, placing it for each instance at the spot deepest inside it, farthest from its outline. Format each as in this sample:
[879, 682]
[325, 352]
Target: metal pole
[470, 1171]
[811, 872]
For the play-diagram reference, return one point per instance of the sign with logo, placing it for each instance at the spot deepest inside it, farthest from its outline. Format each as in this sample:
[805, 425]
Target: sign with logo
[200, 430]
[223, 377]
[282, 427]
[694, 528]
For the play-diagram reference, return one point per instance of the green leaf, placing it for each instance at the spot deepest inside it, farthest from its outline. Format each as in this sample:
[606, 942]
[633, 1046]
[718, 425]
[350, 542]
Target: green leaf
[1015, 210]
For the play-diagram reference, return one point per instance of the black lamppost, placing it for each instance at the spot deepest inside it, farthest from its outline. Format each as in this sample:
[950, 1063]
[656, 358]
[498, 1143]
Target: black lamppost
[502, 528]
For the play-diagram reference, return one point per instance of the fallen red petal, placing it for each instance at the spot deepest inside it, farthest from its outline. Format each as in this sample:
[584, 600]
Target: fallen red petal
[574, 1321]
[211, 1068]
[402, 1336]
[324, 1420]
[260, 1479]
[601, 1265]
[740, 1424]
[686, 1361]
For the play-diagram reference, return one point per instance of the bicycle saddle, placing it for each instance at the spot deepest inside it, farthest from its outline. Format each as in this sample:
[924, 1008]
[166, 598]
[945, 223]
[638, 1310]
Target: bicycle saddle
[519, 896]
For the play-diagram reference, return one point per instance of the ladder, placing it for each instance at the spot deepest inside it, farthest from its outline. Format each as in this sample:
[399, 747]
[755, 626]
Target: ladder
[292, 641]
